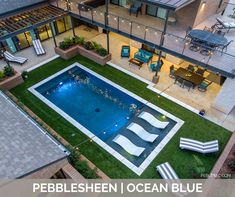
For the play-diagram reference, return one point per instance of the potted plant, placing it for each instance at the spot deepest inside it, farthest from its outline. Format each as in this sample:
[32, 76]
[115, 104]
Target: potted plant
[67, 48]
[9, 78]
[70, 47]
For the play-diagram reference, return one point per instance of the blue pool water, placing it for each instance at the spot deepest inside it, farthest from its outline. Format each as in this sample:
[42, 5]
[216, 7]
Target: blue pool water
[102, 109]
[98, 106]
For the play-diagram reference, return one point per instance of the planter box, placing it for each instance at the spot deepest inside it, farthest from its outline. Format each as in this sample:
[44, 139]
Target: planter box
[11, 82]
[94, 56]
[68, 53]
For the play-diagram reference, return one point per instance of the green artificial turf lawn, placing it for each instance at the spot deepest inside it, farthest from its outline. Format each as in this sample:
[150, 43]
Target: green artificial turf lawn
[194, 127]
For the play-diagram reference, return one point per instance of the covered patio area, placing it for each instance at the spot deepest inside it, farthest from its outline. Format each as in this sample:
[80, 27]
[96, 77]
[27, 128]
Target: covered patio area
[166, 86]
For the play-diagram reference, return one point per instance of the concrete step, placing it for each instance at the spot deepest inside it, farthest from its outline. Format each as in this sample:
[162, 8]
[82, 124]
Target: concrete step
[225, 100]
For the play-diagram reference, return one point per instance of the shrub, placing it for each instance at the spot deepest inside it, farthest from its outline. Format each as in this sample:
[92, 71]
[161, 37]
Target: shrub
[88, 45]
[68, 42]
[8, 71]
[79, 40]
[102, 52]
[2, 75]
[24, 75]
[97, 46]
[231, 165]
[82, 166]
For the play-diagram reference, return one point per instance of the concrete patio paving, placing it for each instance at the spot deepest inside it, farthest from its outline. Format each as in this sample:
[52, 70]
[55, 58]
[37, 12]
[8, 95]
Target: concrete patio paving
[194, 98]
[174, 40]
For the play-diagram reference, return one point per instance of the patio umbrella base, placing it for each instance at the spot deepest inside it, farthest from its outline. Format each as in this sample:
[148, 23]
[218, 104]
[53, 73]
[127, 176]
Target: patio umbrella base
[155, 79]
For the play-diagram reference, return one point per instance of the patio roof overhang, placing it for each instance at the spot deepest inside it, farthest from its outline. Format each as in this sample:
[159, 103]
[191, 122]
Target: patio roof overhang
[169, 4]
[20, 22]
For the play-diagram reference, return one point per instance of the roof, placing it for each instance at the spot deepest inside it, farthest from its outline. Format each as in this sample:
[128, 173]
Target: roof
[170, 4]
[18, 22]
[24, 147]
[10, 5]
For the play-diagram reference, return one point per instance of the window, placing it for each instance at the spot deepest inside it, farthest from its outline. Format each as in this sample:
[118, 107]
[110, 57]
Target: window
[60, 24]
[156, 11]
[119, 2]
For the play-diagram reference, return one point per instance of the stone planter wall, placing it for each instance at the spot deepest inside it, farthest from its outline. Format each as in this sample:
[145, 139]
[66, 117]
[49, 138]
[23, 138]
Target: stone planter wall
[74, 50]
[94, 56]
[68, 53]
[11, 82]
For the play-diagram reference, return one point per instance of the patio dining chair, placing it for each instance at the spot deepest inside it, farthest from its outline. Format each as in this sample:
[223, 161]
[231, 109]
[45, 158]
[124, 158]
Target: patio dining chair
[172, 72]
[200, 71]
[220, 32]
[225, 47]
[189, 28]
[204, 85]
[209, 29]
[194, 46]
[187, 84]
[135, 8]
[179, 81]
[191, 68]
[207, 50]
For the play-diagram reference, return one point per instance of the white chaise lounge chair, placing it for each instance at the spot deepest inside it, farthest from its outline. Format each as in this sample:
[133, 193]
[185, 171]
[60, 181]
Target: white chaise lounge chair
[221, 24]
[141, 132]
[38, 47]
[166, 171]
[11, 58]
[128, 146]
[197, 146]
[153, 121]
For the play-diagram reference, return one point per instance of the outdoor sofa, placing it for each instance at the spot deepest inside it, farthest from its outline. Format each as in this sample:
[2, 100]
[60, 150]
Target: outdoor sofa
[143, 55]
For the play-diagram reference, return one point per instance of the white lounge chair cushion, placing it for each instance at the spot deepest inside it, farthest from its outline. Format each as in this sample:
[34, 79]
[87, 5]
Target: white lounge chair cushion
[141, 132]
[38, 47]
[128, 146]
[11, 58]
[153, 121]
[194, 145]
[166, 171]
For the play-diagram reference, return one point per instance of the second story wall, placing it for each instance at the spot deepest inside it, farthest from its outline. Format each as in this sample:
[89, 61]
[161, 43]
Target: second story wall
[186, 16]
[208, 8]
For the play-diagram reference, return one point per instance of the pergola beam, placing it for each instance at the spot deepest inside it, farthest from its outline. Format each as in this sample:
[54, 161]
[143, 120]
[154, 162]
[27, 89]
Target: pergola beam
[29, 19]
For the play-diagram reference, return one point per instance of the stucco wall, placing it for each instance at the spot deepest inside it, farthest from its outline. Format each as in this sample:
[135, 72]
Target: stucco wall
[9, 5]
[209, 8]
[186, 16]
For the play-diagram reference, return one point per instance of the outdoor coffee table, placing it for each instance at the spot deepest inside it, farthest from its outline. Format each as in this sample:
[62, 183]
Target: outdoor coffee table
[136, 62]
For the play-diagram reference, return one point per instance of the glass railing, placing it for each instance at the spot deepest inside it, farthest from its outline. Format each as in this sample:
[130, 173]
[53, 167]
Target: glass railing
[182, 46]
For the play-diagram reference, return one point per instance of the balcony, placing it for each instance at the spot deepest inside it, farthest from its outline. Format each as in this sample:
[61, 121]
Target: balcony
[149, 30]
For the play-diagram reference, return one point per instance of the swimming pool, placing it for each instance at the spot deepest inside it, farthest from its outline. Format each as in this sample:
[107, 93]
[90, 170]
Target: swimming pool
[103, 110]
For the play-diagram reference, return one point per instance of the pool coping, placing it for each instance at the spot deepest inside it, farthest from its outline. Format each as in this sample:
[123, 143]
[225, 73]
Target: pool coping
[138, 170]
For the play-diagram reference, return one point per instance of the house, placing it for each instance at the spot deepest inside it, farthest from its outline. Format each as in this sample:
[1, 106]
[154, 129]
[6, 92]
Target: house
[27, 151]
[160, 26]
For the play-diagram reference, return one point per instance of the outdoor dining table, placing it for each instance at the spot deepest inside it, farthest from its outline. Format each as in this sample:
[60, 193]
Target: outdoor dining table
[208, 37]
[191, 77]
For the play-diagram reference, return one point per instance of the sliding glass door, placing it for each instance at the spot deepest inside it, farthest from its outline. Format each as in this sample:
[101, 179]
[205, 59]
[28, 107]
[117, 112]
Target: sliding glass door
[156, 11]
[122, 3]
